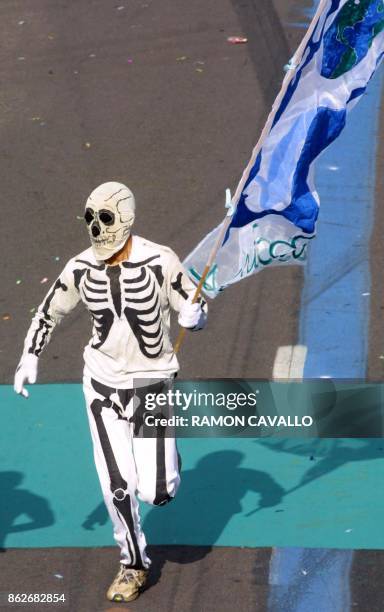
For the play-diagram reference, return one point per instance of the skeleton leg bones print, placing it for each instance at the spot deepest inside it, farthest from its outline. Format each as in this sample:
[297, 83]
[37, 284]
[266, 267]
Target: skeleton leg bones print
[129, 285]
[128, 464]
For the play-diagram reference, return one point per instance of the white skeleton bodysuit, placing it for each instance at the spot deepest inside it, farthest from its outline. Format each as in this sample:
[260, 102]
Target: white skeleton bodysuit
[130, 307]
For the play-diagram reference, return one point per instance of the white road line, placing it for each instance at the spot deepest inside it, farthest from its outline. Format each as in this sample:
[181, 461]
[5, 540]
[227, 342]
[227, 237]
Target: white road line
[289, 362]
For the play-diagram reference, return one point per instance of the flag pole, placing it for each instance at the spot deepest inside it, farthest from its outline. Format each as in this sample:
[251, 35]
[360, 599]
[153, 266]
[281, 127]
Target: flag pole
[232, 204]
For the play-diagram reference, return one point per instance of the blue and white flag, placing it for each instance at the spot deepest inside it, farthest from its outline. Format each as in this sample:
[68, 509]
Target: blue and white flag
[276, 204]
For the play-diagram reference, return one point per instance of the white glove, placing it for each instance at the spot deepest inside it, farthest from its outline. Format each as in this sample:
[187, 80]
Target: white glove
[25, 371]
[192, 316]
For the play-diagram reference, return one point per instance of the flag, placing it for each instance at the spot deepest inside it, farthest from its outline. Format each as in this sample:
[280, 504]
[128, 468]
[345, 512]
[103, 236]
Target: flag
[276, 205]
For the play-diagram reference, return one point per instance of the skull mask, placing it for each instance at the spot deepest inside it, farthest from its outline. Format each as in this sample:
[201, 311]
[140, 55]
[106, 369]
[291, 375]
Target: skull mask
[109, 214]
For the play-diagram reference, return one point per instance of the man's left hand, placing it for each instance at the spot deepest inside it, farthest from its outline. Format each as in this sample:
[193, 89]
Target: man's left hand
[192, 316]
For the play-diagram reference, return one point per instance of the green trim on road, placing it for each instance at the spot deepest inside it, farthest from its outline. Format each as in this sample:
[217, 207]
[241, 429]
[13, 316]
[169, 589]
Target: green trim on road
[234, 492]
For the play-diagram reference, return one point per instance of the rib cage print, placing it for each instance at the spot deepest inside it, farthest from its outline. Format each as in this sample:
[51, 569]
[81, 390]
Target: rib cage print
[96, 296]
[130, 290]
[142, 305]
[130, 306]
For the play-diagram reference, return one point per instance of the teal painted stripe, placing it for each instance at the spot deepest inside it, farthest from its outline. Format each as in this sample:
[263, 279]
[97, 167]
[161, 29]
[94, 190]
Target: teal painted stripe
[46, 440]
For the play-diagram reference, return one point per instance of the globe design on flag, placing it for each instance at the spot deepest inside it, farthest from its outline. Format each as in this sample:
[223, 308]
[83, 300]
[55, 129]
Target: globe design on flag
[350, 36]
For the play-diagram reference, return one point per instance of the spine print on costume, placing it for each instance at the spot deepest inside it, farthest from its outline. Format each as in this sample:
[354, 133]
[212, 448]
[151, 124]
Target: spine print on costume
[114, 274]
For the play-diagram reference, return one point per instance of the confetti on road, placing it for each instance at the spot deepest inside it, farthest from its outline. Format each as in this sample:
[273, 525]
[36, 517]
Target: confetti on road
[32, 309]
[80, 218]
[130, 60]
[58, 576]
[44, 280]
[6, 316]
[21, 58]
[21, 22]
[18, 282]
[199, 70]
[87, 145]
[120, 8]
[51, 37]
[92, 55]
[57, 258]
[237, 40]
[182, 58]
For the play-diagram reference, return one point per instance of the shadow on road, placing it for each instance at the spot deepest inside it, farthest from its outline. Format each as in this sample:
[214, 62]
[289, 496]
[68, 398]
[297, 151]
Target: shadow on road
[209, 496]
[326, 454]
[18, 502]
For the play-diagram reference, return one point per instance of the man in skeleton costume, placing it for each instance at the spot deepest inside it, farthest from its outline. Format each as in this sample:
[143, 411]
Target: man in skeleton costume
[128, 284]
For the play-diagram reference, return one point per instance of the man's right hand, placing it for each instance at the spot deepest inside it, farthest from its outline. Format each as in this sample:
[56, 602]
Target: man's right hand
[25, 371]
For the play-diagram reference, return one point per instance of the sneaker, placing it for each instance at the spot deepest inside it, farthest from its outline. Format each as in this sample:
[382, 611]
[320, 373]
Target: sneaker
[127, 584]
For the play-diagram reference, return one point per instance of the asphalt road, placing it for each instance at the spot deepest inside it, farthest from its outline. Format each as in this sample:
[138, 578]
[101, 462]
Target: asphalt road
[184, 579]
[153, 95]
